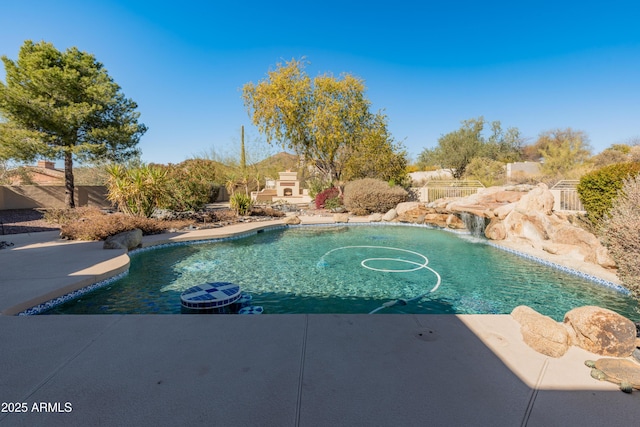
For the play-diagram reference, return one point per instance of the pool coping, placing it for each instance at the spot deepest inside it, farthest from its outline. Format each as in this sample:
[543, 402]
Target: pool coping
[239, 231]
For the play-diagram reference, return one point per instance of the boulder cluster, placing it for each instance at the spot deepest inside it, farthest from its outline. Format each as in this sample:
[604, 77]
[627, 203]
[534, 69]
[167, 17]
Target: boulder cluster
[595, 329]
[522, 214]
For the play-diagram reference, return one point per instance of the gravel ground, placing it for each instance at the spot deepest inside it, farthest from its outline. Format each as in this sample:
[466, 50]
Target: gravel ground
[14, 221]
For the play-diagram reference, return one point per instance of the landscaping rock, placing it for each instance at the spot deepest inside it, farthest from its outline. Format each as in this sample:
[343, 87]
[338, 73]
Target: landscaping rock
[292, 220]
[623, 372]
[126, 240]
[601, 331]
[390, 216]
[455, 223]
[539, 199]
[404, 207]
[541, 333]
[495, 230]
[515, 217]
[415, 215]
[341, 217]
[436, 219]
[375, 217]
[502, 211]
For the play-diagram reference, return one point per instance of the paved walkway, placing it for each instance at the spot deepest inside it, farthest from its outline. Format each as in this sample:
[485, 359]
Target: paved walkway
[271, 370]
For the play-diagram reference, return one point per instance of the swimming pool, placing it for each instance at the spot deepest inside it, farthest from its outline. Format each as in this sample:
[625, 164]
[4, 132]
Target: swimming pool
[351, 269]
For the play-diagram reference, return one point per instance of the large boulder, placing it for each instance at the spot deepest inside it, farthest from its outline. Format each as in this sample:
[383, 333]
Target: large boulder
[487, 202]
[601, 331]
[126, 240]
[454, 222]
[390, 216]
[495, 230]
[415, 214]
[292, 220]
[541, 333]
[502, 211]
[436, 219]
[540, 199]
[404, 207]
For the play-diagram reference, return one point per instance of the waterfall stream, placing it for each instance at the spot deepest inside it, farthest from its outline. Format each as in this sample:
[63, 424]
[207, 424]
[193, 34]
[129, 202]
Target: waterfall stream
[474, 223]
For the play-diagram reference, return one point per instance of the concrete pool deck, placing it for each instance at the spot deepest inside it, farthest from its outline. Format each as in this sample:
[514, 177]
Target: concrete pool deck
[272, 370]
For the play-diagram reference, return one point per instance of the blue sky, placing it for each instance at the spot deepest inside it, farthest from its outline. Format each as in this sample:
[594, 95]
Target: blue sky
[534, 65]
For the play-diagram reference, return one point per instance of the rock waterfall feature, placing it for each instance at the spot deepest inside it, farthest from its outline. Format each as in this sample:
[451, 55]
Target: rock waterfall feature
[521, 214]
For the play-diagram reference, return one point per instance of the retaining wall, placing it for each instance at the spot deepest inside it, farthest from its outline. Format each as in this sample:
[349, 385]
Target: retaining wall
[50, 196]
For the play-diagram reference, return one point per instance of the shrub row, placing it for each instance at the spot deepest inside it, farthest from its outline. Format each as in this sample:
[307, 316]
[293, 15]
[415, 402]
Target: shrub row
[93, 224]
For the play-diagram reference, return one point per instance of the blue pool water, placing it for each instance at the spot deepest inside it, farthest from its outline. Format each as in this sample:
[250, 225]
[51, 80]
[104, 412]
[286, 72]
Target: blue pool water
[351, 269]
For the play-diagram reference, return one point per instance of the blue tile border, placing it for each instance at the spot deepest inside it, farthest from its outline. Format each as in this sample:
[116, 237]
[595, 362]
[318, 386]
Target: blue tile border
[586, 276]
[41, 308]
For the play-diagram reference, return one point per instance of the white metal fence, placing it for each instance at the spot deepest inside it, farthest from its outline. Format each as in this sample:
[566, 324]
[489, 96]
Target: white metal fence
[438, 189]
[566, 196]
[565, 192]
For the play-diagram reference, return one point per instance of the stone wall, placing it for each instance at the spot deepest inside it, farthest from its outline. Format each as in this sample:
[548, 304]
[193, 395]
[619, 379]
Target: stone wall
[50, 196]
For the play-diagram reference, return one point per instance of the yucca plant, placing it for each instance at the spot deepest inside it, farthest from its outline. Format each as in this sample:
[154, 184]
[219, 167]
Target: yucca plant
[241, 203]
[138, 190]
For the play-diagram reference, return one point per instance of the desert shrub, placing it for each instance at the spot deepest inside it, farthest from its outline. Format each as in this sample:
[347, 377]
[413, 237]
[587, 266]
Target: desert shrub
[266, 211]
[368, 195]
[63, 216]
[598, 189]
[520, 177]
[241, 203]
[192, 184]
[620, 232]
[323, 196]
[92, 224]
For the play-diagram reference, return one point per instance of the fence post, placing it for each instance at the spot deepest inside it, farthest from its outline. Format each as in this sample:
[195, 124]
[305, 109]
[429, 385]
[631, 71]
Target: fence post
[557, 198]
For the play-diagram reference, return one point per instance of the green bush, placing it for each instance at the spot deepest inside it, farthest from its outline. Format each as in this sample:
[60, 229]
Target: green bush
[489, 172]
[599, 188]
[192, 184]
[621, 234]
[368, 195]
